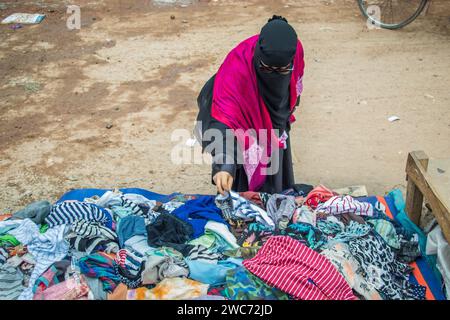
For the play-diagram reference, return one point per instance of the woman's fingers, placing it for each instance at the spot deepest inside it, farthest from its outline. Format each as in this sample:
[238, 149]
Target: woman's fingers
[224, 182]
[229, 182]
[219, 184]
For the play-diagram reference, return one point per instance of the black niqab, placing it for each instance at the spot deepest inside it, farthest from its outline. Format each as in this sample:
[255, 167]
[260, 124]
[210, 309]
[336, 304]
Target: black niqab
[276, 47]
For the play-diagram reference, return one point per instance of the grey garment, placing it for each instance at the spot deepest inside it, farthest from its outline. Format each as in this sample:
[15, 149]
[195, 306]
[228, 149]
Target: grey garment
[96, 287]
[36, 212]
[436, 244]
[11, 282]
[159, 267]
[281, 208]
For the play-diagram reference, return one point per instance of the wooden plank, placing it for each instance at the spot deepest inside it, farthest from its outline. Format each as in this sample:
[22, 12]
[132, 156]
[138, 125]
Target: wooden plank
[422, 180]
[414, 197]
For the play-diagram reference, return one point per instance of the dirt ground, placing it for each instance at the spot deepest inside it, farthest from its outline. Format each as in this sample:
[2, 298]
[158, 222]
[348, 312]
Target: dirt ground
[132, 67]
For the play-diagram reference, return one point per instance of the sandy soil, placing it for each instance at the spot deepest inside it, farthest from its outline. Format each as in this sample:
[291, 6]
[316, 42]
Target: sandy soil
[133, 67]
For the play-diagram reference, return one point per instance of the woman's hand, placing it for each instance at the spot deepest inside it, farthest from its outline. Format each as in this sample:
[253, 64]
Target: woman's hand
[223, 181]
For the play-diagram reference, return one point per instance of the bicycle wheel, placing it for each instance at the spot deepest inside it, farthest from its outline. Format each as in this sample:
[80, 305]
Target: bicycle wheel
[392, 14]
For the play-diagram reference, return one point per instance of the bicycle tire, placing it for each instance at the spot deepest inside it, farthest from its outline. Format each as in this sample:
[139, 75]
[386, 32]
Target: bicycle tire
[393, 26]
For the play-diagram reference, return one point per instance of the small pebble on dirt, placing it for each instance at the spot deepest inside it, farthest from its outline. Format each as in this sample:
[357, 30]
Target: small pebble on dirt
[109, 126]
[172, 17]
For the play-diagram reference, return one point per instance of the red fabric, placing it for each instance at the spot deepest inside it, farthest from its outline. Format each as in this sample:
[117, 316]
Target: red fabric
[318, 195]
[292, 267]
[253, 197]
[238, 104]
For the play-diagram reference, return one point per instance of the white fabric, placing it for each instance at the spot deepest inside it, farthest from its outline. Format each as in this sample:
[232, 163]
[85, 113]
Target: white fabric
[46, 248]
[139, 244]
[347, 204]
[436, 244]
[222, 230]
[242, 208]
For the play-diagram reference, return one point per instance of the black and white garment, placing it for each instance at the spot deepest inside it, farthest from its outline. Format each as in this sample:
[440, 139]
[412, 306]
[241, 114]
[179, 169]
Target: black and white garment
[69, 211]
[130, 280]
[90, 236]
[380, 268]
[141, 209]
[94, 244]
[91, 229]
[199, 252]
[133, 207]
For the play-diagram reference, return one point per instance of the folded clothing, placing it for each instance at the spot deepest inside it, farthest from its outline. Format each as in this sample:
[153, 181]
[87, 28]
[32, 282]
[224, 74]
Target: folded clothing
[294, 268]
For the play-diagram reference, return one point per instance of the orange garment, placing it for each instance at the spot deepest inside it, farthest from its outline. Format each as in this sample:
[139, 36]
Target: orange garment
[5, 216]
[120, 293]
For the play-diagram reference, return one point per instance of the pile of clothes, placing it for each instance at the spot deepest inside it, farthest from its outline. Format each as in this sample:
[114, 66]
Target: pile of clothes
[305, 243]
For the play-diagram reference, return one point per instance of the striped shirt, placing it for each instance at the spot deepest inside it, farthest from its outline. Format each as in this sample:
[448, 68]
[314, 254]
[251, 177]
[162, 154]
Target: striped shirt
[292, 267]
[69, 211]
[339, 205]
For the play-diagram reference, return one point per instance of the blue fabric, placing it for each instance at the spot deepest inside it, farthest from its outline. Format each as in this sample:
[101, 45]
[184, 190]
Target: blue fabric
[212, 274]
[129, 227]
[197, 213]
[404, 220]
[81, 194]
